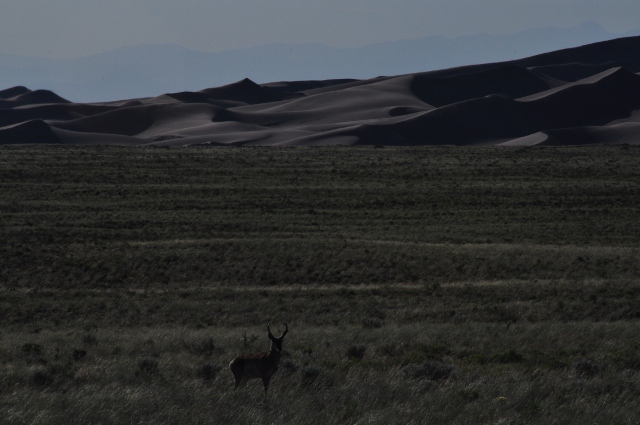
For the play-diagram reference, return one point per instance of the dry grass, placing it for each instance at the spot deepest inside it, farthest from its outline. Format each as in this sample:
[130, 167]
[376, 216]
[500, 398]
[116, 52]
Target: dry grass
[436, 285]
[418, 373]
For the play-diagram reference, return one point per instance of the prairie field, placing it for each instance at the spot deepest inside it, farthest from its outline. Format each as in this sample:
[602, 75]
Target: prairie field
[435, 285]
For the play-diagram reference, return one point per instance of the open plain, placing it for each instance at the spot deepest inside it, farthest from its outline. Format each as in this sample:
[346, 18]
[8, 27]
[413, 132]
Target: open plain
[420, 285]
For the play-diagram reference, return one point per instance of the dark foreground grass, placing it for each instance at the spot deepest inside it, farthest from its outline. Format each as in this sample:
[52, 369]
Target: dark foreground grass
[469, 373]
[434, 285]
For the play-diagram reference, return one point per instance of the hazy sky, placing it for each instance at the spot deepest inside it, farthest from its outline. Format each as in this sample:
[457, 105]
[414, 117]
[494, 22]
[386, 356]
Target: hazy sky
[68, 28]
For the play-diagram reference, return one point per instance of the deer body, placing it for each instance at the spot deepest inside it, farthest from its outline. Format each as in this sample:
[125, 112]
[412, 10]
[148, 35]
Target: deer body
[259, 366]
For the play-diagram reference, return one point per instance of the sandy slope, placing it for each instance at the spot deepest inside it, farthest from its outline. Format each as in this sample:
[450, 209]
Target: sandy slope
[589, 94]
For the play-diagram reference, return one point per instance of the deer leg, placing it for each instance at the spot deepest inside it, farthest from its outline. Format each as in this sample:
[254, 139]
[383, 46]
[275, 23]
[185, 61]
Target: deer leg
[265, 382]
[239, 380]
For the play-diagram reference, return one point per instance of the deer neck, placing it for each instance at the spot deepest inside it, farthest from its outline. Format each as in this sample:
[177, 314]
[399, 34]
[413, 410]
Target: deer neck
[274, 354]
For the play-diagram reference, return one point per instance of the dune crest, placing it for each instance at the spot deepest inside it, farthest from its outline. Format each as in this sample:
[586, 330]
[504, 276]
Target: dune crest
[588, 94]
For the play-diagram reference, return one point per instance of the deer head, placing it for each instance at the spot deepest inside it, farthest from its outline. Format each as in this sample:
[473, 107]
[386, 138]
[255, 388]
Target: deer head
[276, 343]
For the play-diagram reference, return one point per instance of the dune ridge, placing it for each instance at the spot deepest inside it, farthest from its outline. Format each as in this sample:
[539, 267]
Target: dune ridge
[588, 94]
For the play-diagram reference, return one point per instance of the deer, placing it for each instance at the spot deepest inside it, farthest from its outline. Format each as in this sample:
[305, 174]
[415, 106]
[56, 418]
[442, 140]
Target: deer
[263, 365]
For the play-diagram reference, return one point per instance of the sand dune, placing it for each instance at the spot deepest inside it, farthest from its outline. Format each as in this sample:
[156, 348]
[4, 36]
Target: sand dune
[589, 94]
[13, 91]
[510, 81]
[59, 112]
[626, 133]
[32, 131]
[37, 97]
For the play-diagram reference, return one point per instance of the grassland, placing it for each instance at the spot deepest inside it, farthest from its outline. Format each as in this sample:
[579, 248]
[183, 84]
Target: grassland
[430, 285]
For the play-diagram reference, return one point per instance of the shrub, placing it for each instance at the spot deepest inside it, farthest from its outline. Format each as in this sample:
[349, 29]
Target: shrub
[289, 367]
[41, 378]
[248, 341]
[372, 323]
[55, 372]
[632, 361]
[32, 349]
[469, 395]
[204, 348]
[431, 370]
[147, 367]
[33, 353]
[207, 371]
[356, 352]
[426, 384]
[510, 356]
[78, 354]
[89, 339]
[310, 373]
[586, 368]
[391, 350]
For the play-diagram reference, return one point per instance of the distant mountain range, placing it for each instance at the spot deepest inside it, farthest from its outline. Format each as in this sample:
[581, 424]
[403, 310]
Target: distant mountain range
[145, 71]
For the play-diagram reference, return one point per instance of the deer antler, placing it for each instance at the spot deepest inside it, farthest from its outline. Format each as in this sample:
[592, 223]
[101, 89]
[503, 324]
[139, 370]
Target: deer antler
[286, 329]
[270, 334]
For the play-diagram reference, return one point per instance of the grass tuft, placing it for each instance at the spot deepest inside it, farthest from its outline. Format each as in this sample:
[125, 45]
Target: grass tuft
[356, 352]
[147, 367]
[208, 371]
[432, 370]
